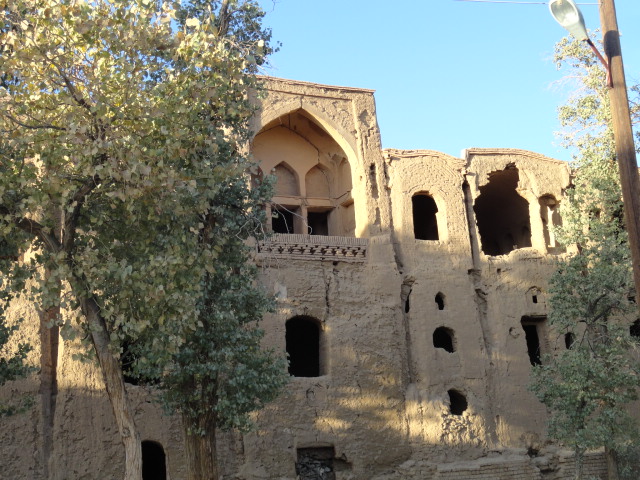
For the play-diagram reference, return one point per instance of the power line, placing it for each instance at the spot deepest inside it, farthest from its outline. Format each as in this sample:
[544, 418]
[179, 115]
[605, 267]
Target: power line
[521, 3]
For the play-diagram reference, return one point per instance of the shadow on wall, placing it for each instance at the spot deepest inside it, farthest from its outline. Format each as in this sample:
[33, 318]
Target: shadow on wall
[86, 440]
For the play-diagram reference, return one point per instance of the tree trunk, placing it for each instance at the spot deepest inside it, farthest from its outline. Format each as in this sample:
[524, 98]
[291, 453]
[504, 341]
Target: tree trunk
[202, 461]
[612, 464]
[48, 382]
[114, 382]
[579, 464]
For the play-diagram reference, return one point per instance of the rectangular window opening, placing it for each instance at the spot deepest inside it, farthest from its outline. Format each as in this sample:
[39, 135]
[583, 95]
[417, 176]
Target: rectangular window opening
[282, 219]
[535, 331]
[318, 223]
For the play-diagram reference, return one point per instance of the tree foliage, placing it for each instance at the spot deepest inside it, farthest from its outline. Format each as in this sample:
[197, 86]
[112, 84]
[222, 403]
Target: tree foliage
[13, 362]
[123, 189]
[588, 387]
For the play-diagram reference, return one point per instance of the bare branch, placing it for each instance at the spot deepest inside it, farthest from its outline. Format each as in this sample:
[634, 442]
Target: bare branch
[71, 219]
[34, 127]
[36, 229]
[224, 18]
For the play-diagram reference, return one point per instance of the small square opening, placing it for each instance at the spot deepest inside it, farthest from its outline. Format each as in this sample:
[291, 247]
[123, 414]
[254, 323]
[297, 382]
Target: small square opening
[318, 223]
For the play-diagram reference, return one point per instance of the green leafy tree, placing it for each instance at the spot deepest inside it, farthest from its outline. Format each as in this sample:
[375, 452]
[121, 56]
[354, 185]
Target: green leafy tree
[13, 363]
[588, 387]
[122, 131]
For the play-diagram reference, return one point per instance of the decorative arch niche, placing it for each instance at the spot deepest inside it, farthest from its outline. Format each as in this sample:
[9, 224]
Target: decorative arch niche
[313, 177]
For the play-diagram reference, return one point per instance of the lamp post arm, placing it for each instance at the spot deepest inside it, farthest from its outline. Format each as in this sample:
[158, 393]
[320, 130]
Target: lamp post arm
[602, 59]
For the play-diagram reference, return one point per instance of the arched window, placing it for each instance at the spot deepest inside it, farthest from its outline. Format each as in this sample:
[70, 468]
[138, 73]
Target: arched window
[457, 402]
[425, 224]
[443, 338]
[502, 214]
[285, 216]
[154, 465]
[440, 300]
[303, 346]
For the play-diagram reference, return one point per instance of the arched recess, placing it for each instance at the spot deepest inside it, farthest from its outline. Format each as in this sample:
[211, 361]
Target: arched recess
[285, 214]
[318, 183]
[286, 181]
[550, 217]
[322, 162]
[440, 300]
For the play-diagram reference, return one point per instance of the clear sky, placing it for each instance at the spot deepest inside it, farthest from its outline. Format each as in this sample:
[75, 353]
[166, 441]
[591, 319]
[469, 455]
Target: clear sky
[447, 75]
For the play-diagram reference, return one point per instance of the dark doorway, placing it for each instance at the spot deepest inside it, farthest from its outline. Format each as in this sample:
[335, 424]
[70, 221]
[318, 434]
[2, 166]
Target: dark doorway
[569, 340]
[154, 465]
[534, 334]
[303, 346]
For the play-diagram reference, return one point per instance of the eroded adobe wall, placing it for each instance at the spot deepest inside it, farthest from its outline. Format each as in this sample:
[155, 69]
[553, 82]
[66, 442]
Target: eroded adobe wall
[20, 454]
[438, 293]
[514, 287]
[424, 360]
[355, 405]
[75, 436]
[478, 298]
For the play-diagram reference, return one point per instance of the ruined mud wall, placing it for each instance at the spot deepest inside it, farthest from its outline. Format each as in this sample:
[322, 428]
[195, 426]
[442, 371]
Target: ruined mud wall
[424, 295]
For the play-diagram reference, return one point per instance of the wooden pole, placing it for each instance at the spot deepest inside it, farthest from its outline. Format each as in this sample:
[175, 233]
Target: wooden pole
[626, 156]
[623, 134]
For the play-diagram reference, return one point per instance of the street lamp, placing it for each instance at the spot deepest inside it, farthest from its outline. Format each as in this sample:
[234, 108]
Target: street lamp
[568, 15]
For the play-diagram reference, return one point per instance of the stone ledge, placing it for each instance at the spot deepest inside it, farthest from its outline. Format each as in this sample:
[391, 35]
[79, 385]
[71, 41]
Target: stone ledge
[314, 247]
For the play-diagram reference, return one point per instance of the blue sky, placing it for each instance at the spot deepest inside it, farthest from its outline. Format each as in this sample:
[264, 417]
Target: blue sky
[448, 74]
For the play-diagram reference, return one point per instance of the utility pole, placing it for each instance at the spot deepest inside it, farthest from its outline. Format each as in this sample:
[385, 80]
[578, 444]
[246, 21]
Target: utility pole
[625, 154]
[623, 134]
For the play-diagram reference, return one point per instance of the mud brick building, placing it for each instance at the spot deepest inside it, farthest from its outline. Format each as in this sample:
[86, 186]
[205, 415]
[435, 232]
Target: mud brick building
[410, 289]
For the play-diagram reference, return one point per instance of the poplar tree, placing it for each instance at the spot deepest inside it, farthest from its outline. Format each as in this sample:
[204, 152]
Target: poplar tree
[588, 387]
[124, 198]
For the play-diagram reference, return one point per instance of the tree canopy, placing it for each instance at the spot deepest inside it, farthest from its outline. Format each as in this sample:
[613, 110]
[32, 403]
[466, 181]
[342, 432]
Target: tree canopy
[124, 196]
[589, 386]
